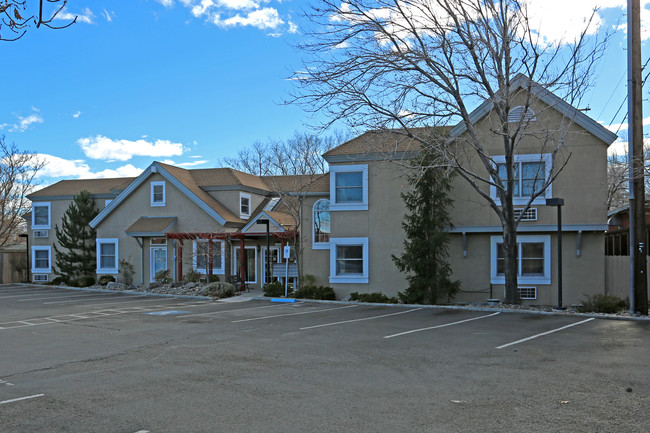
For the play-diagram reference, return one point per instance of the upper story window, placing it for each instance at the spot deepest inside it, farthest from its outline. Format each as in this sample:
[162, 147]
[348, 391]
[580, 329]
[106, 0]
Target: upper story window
[244, 205]
[521, 114]
[107, 256]
[158, 196]
[349, 187]
[41, 216]
[321, 215]
[530, 175]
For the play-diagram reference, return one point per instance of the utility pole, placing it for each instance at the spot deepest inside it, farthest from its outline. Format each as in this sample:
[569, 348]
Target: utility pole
[637, 235]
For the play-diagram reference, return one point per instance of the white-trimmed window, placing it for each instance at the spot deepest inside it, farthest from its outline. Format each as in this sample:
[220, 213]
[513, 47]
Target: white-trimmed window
[41, 259]
[158, 194]
[41, 216]
[244, 205]
[533, 259]
[321, 228]
[349, 260]
[530, 174]
[201, 257]
[349, 187]
[107, 256]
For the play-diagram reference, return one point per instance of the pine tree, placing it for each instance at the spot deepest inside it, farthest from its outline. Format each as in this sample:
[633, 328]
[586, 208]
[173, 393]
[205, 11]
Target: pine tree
[76, 239]
[426, 242]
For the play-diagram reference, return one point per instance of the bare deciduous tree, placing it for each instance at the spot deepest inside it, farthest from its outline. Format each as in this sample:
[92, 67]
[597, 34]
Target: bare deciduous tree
[298, 155]
[400, 64]
[18, 170]
[17, 16]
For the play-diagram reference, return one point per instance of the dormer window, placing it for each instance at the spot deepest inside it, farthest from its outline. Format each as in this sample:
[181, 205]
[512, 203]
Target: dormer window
[158, 195]
[244, 205]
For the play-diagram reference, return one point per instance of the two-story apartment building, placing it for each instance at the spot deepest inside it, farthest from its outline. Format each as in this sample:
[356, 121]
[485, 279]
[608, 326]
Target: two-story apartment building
[348, 222]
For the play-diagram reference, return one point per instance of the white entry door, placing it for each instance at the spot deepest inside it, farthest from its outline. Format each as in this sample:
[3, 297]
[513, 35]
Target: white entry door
[158, 260]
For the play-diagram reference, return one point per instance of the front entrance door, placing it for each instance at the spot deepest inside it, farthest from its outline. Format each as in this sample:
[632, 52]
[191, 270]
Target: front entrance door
[275, 258]
[158, 260]
[250, 263]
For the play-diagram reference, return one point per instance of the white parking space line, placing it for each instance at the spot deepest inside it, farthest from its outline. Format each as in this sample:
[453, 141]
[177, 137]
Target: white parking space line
[440, 326]
[225, 311]
[21, 398]
[359, 320]
[26, 294]
[61, 295]
[292, 314]
[543, 333]
[132, 300]
[78, 300]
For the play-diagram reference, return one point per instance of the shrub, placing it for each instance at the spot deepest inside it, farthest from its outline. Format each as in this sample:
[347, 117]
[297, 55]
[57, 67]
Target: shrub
[375, 297]
[86, 281]
[307, 280]
[163, 276]
[126, 272]
[57, 281]
[73, 283]
[219, 290]
[105, 279]
[603, 304]
[213, 278]
[273, 289]
[192, 276]
[315, 292]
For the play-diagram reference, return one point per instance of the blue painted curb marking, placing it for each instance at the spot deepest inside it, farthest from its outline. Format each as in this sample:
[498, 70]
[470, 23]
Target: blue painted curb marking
[282, 300]
[167, 312]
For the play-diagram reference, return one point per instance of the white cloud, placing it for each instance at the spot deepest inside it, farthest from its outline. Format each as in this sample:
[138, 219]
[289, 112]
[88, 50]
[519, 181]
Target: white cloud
[25, 122]
[191, 164]
[86, 16]
[618, 127]
[77, 114]
[56, 167]
[244, 13]
[108, 15]
[105, 148]
[166, 3]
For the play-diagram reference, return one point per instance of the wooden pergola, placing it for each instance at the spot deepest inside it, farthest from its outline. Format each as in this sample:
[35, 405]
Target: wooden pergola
[283, 236]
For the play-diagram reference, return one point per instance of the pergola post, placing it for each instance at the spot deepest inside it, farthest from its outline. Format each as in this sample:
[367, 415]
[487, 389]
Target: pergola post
[179, 259]
[209, 259]
[242, 268]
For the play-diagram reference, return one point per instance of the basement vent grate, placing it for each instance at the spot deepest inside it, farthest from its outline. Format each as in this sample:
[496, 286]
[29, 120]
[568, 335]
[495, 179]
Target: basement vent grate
[527, 292]
[529, 215]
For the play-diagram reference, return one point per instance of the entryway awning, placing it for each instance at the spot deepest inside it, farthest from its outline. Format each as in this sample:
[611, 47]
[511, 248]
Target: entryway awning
[151, 226]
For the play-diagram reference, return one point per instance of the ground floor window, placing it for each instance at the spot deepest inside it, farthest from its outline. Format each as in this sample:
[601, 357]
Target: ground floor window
[41, 259]
[349, 260]
[107, 256]
[533, 259]
[201, 256]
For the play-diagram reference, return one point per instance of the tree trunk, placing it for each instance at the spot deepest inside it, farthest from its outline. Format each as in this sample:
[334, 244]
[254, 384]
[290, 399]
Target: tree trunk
[511, 254]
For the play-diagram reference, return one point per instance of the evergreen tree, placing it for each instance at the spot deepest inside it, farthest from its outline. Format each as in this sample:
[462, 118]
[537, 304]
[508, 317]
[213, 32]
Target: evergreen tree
[76, 239]
[426, 242]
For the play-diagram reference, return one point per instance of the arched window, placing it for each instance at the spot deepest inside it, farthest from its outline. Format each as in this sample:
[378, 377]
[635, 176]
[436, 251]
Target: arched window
[521, 113]
[321, 214]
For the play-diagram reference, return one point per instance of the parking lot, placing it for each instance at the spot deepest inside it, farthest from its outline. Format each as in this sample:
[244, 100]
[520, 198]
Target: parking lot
[87, 361]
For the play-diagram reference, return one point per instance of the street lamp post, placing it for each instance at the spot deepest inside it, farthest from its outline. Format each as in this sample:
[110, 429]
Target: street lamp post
[268, 248]
[559, 202]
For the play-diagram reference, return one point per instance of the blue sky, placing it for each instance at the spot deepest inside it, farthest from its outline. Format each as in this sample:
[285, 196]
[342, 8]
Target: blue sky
[190, 82]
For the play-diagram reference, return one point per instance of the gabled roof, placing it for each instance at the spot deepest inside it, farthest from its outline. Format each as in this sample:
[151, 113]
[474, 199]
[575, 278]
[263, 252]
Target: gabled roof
[317, 183]
[520, 81]
[184, 182]
[377, 144]
[73, 187]
[278, 222]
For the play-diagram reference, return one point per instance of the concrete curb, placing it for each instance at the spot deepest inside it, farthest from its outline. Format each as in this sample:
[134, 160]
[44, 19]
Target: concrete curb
[130, 292]
[472, 308]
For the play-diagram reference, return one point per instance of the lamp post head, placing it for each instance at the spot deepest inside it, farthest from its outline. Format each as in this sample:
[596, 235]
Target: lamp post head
[555, 201]
[263, 221]
[23, 235]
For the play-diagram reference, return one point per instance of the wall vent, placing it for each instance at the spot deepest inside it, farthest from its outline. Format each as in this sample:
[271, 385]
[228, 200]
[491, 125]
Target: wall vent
[41, 233]
[40, 277]
[529, 215]
[527, 292]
